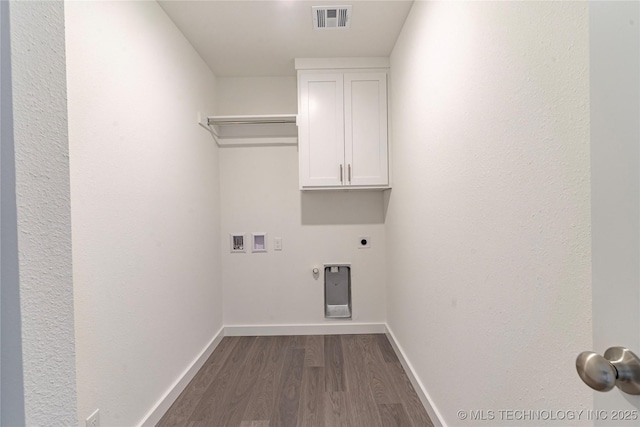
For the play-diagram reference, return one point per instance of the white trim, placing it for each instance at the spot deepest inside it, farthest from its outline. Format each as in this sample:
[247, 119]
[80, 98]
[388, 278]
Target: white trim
[170, 396]
[332, 328]
[337, 63]
[421, 391]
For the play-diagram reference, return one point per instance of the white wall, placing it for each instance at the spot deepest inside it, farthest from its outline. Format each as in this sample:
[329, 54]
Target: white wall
[256, 95]
[259, 193]
[145, 205]
[43, 213]
[614, 42]
[488, 226]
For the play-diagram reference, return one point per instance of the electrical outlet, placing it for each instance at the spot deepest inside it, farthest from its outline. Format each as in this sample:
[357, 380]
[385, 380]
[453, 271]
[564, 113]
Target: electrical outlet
[364, 242]
[94, 419]
[277, 244]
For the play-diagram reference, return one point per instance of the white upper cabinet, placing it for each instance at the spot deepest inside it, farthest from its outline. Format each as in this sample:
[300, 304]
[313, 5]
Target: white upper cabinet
[321, 130]
[342, 129]
[365, 129]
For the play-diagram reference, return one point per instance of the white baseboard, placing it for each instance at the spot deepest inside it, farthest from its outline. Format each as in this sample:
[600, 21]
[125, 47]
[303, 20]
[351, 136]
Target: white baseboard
[433, 412]
[319, 329]
[160, 408]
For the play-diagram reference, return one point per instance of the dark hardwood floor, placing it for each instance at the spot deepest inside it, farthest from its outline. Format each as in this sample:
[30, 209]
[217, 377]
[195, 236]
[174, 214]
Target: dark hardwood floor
[291, 381]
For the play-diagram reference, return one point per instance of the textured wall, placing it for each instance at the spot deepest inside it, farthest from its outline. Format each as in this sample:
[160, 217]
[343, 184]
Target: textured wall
[257, 95]
[145, 204]
[488, 227]
[43, 211]
[614, 71]
[259, 192]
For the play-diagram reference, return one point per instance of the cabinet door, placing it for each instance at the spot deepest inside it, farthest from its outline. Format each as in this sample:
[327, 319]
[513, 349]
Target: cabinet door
[365, 97]
[321, 130]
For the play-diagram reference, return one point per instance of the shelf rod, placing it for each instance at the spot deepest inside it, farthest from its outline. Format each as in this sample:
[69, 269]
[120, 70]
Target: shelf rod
[212, 122]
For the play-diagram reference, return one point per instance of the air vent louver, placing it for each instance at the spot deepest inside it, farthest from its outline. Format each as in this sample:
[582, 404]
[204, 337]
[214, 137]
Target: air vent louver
[326, 17]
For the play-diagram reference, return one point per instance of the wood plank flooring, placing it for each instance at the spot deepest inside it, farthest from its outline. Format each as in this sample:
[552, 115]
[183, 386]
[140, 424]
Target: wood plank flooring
[300, 381]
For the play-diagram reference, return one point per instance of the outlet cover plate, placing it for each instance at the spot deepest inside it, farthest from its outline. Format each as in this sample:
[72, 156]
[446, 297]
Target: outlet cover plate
[94, 419]
[364, 242]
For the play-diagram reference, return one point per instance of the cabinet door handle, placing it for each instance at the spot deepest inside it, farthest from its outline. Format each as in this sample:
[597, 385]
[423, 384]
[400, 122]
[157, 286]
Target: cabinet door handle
[349, 171]
[341, 180]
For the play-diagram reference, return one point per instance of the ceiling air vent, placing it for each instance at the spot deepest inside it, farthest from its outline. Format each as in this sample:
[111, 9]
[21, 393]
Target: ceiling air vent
[325, 17]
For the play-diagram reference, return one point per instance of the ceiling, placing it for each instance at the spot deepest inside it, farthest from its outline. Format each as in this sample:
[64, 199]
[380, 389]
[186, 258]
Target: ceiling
[239, 38]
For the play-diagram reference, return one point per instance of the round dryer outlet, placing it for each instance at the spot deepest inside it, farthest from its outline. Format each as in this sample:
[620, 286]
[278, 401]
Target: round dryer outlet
[364, 242]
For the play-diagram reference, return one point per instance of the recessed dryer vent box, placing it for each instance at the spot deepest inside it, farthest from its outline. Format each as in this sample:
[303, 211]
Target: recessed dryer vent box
[337, 291]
